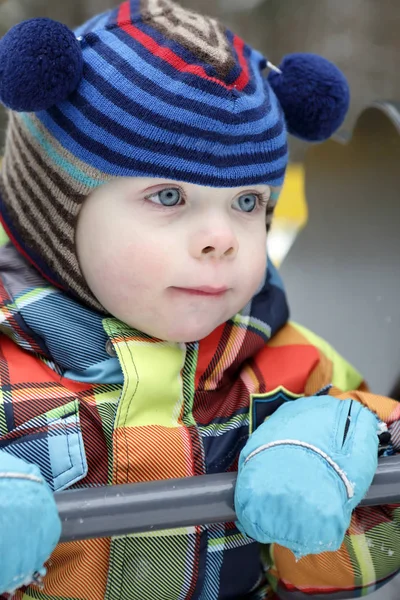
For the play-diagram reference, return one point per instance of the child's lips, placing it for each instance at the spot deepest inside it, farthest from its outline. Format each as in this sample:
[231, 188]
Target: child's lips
[207, 291]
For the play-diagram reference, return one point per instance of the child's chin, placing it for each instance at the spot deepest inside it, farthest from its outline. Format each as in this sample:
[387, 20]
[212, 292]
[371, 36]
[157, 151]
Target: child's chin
[191, 334]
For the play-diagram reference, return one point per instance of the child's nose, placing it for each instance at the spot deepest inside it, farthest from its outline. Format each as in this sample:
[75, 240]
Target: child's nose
[214, 244]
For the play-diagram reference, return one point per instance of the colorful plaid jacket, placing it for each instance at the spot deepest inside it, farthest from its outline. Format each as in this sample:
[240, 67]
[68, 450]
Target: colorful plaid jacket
[94, 403]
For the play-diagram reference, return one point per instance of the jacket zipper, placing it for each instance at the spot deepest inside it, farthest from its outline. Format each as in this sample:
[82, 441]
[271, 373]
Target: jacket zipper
[348, 422]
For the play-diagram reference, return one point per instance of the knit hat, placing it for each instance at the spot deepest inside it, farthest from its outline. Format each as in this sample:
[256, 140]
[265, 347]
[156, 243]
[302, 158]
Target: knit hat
[146, 89]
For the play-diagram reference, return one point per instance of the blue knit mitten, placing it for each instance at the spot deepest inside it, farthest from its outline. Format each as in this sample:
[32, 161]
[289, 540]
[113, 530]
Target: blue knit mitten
[304, 470]
[29, 524]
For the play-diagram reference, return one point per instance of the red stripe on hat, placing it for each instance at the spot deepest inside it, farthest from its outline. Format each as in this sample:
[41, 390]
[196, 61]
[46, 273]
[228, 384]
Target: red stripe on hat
[125, 23]
[243, 78]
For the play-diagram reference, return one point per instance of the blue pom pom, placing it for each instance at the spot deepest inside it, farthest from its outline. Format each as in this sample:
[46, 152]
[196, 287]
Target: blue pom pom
[40, 65]
[314, 95]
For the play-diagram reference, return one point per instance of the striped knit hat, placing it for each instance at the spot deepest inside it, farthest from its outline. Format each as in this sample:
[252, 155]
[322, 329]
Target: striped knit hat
[146, 89]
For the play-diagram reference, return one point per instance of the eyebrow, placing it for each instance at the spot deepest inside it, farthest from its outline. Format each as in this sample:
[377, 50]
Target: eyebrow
[154, 186]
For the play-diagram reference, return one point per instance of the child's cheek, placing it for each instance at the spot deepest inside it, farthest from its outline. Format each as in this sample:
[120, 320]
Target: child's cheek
[134, 265]
[259, 265]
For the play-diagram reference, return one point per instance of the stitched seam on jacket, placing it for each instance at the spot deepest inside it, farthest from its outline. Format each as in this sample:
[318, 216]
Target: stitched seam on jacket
[349, 487]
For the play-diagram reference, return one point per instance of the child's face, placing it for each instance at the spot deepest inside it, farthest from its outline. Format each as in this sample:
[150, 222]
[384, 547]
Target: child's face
[174, 260]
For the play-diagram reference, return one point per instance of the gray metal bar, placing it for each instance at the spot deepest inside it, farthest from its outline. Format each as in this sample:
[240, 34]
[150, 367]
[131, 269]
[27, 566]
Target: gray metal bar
[138, 507]
[385, 488]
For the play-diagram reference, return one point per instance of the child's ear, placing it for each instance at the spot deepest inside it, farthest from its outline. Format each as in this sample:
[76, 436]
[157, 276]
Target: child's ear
[41, 64]
[313, 93]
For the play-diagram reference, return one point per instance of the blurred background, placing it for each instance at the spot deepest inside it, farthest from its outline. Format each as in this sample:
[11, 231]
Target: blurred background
[360, 36]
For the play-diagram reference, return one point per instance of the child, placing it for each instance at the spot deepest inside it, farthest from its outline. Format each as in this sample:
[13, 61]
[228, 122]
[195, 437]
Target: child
[145, 336]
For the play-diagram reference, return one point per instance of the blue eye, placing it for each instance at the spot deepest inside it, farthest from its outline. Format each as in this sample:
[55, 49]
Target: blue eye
[247, 202]
[167, 197]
